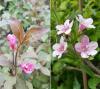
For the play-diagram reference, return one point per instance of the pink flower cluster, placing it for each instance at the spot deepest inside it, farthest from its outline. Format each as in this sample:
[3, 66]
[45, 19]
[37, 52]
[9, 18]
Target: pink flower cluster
[27, 68]
[12, 41]
[84, 47]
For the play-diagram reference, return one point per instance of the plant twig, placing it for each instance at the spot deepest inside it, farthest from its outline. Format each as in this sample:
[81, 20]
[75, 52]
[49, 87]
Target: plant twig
[73, 68]
[16, 59]
[80, 70]
[80, 6]
[83, 73]
[84, 80]
[95, 69]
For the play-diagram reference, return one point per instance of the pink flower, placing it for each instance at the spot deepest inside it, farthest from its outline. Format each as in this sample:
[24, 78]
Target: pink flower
[85, 23]
[66, 28]
[86, 48]
[27, 68]
[12, 41]
[59, 48]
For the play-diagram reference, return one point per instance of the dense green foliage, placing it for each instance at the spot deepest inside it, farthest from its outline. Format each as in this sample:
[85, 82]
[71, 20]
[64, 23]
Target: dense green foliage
[63, 77]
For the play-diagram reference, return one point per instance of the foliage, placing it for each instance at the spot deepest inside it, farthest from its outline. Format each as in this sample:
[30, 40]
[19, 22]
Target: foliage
[28, 20]
[66, 72]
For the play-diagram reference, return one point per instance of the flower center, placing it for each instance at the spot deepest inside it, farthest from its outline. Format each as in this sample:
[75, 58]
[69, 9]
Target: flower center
[84, 47]
[61, 48]
[66, 28]
[82, 26]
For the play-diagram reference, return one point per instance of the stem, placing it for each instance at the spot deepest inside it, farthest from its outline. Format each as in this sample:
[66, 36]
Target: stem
[16, 59]
[84, 80]
[80, 6]
[83, 73]
[92, 66]
[80, 70]
[13, 58]
[13, 65]
[73, 68]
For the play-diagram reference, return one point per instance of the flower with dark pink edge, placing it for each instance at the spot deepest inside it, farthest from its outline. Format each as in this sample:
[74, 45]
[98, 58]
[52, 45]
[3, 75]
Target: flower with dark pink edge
[27, 68]
[12, 41]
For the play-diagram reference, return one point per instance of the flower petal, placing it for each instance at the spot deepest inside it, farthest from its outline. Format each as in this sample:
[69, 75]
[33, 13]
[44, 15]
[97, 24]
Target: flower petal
[80, 18]
[71, 24]
[66, 23]
[59, 32]
[92, 45]
[60, 27]
[55, 46]
[78, 47]
[92, 52]
[85, 40]
[61, 39]
[68, 31]
[60, 56]
[56, 53]
[84, 55]
[88, 21]
[91, 26]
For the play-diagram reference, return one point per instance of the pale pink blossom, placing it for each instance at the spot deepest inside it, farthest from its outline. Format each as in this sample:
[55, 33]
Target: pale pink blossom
[59, 48]
[84, 22]
[65, 28]
[86, 48]
[12, 41]
[27, 68]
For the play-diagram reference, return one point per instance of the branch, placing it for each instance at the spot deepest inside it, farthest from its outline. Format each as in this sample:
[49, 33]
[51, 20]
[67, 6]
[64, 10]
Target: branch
[80, 70]
[95, 69]
[85, 80]
[80, 6]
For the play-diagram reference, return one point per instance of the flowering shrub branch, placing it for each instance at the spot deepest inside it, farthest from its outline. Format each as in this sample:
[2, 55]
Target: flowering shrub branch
[84, 48]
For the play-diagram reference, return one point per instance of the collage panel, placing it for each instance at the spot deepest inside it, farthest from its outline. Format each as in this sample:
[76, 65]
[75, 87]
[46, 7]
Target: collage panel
[75, 43]
[25, 44]
[49, 44]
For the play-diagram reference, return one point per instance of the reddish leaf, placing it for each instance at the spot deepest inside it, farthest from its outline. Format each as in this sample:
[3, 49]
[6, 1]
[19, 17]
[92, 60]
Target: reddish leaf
[35, 33]
[17, 29]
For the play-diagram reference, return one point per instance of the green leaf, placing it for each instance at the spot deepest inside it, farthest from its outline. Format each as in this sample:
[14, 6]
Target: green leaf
[20, 83]
[1, 7]
[57, 67]
[93, 82]
[87, 69]
[76, 84]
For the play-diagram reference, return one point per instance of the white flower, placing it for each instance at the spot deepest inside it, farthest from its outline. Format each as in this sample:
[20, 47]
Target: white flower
[59, 48]
[85, 23]
[64, 28]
